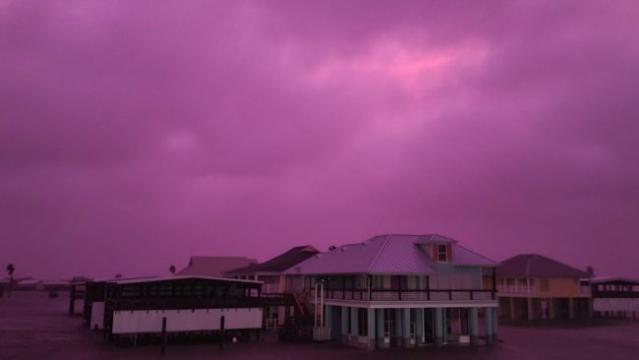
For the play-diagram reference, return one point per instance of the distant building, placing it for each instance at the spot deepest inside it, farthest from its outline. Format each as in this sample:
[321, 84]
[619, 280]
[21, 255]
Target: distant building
[214, 266]
[27, 284]
[271, 273]
[535, 287]
[615, 297]
[176, 304]
[401, 291]
[56, 285]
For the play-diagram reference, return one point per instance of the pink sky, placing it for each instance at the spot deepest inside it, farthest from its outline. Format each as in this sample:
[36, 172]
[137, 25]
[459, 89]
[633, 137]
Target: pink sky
[135, 134]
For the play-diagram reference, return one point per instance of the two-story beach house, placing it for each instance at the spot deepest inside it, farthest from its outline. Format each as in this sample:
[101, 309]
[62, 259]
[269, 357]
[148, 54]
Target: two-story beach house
[401, 291]
[535, 287]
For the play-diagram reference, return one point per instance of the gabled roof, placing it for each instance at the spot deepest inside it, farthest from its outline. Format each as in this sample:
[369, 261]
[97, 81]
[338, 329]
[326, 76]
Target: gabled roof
[386, 254]
[535, 265]
[277, 264]
[214, 265]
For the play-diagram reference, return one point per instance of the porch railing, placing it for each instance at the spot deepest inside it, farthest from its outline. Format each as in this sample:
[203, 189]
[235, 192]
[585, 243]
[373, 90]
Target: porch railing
[408, 294]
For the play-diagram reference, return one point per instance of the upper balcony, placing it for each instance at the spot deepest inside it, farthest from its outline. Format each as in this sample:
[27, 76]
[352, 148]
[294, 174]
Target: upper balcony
[405, 295]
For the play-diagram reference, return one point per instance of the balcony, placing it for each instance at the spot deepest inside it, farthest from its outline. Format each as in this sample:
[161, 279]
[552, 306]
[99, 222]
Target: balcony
[407, 295]
[615, 294]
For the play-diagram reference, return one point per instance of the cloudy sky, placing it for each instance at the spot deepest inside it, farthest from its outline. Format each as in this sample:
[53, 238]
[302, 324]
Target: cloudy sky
[134, 134]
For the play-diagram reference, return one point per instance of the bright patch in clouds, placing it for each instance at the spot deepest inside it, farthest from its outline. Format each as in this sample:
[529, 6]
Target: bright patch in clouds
[406, 65]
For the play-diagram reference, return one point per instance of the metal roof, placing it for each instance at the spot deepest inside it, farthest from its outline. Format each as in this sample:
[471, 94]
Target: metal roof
[535, 265]
[279, 263]
[386, 254]
[214, 265]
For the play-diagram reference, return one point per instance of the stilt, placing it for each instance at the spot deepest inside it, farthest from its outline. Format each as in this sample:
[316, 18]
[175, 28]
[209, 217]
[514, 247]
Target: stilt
[571, 308]
[530, 308]
[222, 335]
[489, 325]
[371, 330]
[406, 328]
[72, 300]
[163, 350]
[379, 324]
[345, 329]
[474, 325]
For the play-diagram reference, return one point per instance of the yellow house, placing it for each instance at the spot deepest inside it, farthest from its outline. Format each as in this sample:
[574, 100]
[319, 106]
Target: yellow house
[535, 287]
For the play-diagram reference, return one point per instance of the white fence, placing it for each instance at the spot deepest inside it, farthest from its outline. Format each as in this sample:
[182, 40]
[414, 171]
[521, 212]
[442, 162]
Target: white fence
[150, 321]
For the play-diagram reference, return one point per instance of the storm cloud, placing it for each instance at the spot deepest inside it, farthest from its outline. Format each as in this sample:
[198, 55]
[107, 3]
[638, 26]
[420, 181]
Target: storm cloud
[134, 134]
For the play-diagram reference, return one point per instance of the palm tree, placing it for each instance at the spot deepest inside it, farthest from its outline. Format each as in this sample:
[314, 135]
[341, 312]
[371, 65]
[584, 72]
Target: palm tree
[10, 270]
[172, 269]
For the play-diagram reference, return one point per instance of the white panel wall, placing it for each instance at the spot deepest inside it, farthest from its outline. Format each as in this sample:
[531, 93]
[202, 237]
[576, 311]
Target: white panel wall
[140, 321]
[97, 315]
[616, 304]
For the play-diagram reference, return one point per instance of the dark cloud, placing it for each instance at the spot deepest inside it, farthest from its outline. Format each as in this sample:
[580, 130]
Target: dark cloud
[134, 134]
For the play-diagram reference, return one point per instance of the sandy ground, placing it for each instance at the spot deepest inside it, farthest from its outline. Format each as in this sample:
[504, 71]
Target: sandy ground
[35, 327]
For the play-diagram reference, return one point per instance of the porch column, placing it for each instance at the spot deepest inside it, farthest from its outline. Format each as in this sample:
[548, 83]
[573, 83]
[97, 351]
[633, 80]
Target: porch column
[380, 328]
[345, 329]
[372, 336]
[489, 325]
[406, 323]
[529, 301]
[551, 308]
[354, 314]
[419, 326]
[446, 322]
[474, 325]
[328, 317]
[399, 326]
[495, 321]
[439, 326]
[512, 308]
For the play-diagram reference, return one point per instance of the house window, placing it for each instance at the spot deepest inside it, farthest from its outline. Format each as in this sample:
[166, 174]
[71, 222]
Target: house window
[442, 253]
[362, 322]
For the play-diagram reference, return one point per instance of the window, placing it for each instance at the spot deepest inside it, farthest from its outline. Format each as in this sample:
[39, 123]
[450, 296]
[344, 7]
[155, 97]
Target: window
[362, 322]
[442, 253]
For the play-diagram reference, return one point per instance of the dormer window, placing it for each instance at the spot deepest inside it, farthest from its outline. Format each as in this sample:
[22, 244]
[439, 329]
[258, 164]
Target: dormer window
[442, 253]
